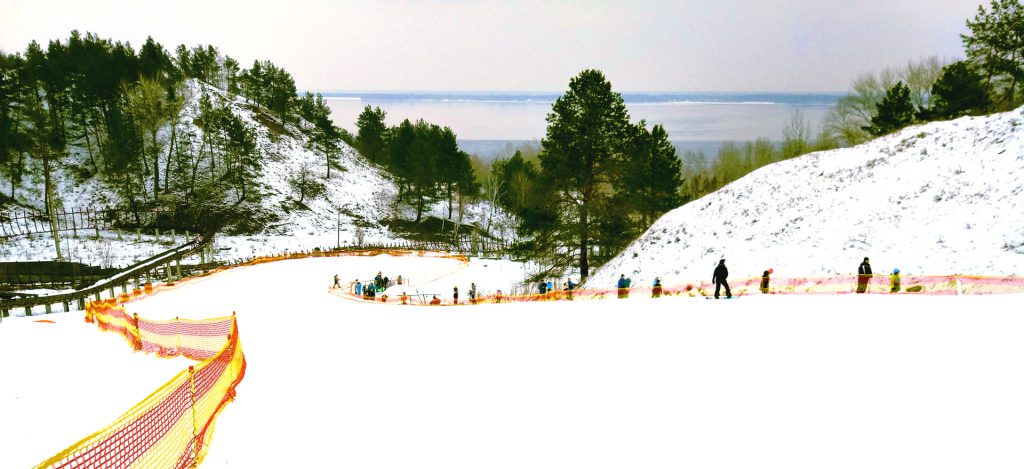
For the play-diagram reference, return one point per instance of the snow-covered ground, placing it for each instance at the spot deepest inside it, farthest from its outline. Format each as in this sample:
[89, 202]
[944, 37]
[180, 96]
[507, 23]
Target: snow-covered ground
[940, 198]
[759, 381]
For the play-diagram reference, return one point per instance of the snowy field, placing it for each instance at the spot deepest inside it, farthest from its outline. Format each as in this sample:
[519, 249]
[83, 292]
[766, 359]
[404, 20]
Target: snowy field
[760, 381]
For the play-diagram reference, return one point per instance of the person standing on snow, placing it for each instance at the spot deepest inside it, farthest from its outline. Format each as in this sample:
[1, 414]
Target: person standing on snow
[719, 279]
[623, 286]
[894, 281]
[863, 276]
[359, 288]
[455, 295]
[542, 287]
[472, 293]
[765, 280]
[336, 284]
[656, 290]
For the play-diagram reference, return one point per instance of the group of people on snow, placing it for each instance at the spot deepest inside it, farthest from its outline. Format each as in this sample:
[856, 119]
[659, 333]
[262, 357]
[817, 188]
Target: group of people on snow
[546, 288]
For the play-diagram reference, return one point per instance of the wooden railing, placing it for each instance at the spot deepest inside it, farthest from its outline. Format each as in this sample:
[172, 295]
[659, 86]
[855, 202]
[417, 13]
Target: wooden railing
[158, 266]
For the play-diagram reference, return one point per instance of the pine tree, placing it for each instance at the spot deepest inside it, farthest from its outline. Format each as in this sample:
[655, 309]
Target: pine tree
[372, 136]
[996, 45]
[651, 176]
[587, 127]
[960, 91]
[894, 112]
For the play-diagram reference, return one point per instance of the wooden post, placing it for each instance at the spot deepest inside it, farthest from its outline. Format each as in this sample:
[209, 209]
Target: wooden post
[67, 307]
[172, 236]
[81, 304]
[177, 263]
[48, 308]
[148, 278]
[74, 225]
[167, 270]
[97, 296]
[28, 311]
[156, 231]
[138, 234]
[112, 294]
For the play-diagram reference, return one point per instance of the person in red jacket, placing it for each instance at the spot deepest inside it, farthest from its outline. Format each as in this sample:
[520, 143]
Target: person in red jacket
[863, 276]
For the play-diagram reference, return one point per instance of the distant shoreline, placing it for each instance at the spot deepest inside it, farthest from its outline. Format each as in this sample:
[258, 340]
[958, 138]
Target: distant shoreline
[636, 98]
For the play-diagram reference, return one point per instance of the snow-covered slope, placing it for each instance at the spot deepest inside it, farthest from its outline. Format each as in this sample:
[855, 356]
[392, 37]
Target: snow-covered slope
[940, 198]
[361, 194]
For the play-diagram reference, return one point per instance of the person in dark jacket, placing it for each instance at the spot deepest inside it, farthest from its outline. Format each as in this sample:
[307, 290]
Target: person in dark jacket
[863, 276]
[455, 295]
[623, 286]
[656, 290]
[765, 280]
[719, 279]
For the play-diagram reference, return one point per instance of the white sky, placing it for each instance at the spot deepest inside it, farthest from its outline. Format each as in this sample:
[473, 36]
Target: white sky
[658, 45]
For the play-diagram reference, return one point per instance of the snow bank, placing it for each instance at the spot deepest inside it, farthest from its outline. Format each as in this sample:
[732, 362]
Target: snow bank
[940, 198]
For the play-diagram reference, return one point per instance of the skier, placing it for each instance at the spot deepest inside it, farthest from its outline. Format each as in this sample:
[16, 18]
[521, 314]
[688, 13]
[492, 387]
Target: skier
[359, 288]
[765, 280]
[550, 287]
[336, 284]
[404, 298]
[371, 291]
[542, 287]
[623, 285]
[435, 300]
[455, 295]
[497, 296]
[472, 293]
[387, 282]
[894, 281]
[863, 276]
[656, 290]
[378, 280]
[719, 279]
[569, 287]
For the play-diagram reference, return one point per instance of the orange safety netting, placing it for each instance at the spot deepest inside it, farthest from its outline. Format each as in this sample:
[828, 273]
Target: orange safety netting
[172, 426]
[843, 284]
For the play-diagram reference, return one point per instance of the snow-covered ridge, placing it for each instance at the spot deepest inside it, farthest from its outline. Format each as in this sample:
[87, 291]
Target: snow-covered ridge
[939, 198]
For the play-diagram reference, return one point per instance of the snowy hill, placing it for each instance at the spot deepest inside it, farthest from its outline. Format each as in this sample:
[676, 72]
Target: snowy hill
[940, 198]
[356, 200]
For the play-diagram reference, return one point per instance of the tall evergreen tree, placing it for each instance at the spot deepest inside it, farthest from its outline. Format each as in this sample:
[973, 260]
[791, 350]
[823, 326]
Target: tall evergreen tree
[371, 138]
[996, 45]
[960, 91]
[894, 112]
[587, 127]
[651, 176]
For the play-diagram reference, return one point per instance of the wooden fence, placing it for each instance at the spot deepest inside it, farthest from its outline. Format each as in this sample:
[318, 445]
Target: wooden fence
[24, 222]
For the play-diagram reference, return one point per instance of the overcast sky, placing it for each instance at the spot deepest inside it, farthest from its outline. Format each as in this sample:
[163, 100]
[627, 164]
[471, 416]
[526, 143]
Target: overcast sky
[685, 45]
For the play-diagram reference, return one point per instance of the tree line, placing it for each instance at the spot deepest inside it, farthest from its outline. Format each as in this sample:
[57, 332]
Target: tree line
[424, 158]
[99, 109]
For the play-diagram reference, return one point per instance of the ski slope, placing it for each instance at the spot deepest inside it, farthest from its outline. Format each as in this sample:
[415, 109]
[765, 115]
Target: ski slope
[759, 381]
